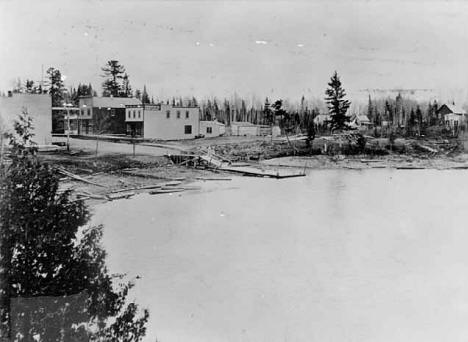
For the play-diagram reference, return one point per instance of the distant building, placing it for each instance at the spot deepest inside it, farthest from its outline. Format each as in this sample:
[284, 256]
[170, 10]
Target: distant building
[162, 121]
[360, 121]
[39, 108]
[104, 115]
[212, 128]
[454, 117]
[242, 128]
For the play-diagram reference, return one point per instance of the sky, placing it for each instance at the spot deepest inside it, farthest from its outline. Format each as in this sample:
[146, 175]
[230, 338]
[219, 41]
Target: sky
[256, 48]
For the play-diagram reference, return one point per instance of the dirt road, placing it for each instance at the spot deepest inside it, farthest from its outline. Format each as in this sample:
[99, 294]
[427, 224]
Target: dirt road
[106, 147]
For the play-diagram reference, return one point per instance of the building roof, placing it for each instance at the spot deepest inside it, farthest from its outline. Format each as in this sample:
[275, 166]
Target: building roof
[114, 102]
[216, 122]
[362, 118]
[454, 109]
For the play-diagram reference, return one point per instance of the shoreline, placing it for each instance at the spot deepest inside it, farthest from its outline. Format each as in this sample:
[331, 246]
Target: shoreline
[114, 177]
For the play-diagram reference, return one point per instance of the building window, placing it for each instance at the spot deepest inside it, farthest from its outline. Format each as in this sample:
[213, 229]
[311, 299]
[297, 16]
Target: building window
[89, 112]
[187, 114]
[139, 114]
[188, 129]
[134, 114]
[178, 114]
[82, 112]
[209, 130]
[168, 114]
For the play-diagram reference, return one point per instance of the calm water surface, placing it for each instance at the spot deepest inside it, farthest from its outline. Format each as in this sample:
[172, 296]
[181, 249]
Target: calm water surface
[376, 255]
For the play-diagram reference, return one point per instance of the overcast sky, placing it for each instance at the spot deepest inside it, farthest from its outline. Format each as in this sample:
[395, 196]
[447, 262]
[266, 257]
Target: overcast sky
[277, 49]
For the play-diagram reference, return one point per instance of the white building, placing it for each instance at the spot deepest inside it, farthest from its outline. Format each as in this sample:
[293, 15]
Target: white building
[162, 121]
[454, 117]
[212, 128]
[38, 107]
[247, 128]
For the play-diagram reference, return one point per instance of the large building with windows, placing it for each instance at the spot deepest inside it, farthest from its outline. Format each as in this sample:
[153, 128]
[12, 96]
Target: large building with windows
[162, 121]
[104, 115]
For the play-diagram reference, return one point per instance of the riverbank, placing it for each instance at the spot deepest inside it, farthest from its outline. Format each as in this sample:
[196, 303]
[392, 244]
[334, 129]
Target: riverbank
[357, 162]
[112, 176]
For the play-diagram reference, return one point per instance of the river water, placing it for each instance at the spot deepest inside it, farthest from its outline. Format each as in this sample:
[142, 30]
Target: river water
[339, 255]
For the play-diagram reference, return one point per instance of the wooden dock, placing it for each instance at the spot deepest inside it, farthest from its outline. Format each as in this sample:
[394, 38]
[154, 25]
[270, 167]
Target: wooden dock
[218, 163]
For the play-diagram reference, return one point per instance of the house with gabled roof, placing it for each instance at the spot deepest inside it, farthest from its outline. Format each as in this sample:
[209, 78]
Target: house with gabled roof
[360, 121]
[454, 116]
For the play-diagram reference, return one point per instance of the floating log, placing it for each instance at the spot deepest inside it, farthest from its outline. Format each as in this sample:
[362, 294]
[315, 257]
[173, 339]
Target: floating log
[410, 168]
[173, 183]
[93, 196]
[149, 175]
[120, 195]
[167, 191]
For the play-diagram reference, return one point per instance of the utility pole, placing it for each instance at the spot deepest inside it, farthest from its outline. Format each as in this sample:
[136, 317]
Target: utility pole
[67, 105]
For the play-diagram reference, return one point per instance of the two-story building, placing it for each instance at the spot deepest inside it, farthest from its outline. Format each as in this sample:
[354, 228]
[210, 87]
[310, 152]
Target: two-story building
[162, 121]
[104, 115]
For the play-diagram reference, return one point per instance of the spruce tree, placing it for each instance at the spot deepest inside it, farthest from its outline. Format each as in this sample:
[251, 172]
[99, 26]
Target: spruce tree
[337, 105]
[113, 72]
[56, 87]
[54, 282]
[145, 97]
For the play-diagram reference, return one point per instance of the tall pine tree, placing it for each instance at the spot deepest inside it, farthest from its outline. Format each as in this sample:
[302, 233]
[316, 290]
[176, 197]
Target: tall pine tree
[337, 105]
[113, 72]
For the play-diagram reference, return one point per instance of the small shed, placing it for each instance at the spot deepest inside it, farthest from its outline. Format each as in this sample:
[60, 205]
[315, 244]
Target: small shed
[212, 128]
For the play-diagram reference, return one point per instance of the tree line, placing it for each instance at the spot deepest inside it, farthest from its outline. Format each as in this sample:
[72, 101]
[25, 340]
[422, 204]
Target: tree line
[392, 112]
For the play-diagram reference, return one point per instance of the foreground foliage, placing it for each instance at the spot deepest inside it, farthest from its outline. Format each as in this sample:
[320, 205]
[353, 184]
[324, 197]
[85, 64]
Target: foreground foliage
[54, 282]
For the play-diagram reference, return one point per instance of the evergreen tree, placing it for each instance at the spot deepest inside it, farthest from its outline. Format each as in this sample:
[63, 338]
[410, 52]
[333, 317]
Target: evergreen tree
[126, 88]
[138, 94]
[243, 111]
[268, 113]
[145, 97]
[215, 109]
[56, 87]
[54, 283]
[280, 115]
[227, 111]
[113, 72]
[370, 110]
[337, 105]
